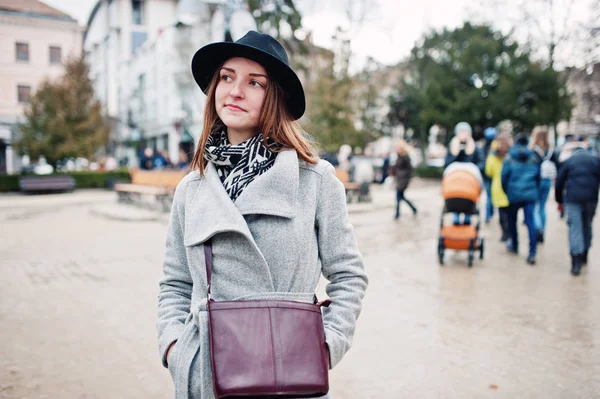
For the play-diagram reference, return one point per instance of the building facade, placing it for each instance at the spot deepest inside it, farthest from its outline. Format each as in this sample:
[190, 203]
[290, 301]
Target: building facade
[36, 40]
[584, 86]
[140, 65]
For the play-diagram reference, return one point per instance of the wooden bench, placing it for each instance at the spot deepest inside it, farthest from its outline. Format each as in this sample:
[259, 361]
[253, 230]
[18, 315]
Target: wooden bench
[351, 188]
[159, 184]
[37, 184]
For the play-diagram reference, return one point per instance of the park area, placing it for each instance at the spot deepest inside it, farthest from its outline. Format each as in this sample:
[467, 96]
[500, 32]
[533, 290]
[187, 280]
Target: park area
[81, 273]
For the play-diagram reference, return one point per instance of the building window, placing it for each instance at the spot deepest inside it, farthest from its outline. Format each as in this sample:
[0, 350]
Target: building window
[137, 16]
[55, 55]
[23, 93]
[137, 39]
[22, 52]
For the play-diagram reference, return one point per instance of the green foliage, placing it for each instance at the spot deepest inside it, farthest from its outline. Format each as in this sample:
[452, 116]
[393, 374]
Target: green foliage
[279, 18]
[428, 172]
[99, 179]
[368, 106]
[9, 183]
[63, 119]
[82, 179]
[478, 75]
[330, 114]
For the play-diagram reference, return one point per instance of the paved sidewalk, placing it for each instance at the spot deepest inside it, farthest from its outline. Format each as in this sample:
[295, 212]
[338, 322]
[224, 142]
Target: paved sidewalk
[383, 197]
[78, 306]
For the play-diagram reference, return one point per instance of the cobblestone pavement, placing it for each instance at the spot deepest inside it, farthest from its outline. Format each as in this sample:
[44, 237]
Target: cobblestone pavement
[80, 279]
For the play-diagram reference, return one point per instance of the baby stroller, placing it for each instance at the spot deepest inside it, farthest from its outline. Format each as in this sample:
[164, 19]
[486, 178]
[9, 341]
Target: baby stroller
[461, 187]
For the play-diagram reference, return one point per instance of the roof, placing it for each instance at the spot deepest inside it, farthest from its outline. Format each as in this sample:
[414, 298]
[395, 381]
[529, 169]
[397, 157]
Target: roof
[33, 8]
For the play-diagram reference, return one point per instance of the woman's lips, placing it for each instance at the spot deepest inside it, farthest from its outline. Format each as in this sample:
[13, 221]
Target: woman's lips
[235, 108]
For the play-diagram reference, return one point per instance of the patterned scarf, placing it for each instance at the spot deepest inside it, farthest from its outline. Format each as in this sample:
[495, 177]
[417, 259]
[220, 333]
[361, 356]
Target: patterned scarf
[238, 165]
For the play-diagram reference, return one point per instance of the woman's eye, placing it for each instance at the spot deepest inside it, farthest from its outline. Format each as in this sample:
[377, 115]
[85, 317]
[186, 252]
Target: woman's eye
[256, 83]
[226, 78]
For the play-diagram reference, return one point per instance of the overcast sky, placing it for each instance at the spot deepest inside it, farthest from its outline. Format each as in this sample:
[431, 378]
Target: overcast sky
[390, 29]
[389, 33]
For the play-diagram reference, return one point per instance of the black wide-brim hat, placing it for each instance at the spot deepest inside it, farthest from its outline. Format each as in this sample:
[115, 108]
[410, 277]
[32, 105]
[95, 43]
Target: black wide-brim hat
[258, 47]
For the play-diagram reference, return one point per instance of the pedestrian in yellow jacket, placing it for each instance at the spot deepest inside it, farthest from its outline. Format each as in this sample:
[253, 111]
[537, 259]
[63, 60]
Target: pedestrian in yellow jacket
[493, 169]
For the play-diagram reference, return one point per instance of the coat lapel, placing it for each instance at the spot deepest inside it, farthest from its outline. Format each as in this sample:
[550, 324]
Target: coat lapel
[210, 211]
[275, 192]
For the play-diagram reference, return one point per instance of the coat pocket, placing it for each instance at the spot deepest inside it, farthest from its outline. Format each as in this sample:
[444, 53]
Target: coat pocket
[174, 358]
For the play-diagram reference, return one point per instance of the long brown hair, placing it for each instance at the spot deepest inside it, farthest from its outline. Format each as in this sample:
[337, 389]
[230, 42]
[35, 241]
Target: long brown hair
[539, 137]
[503, 143]
[274, 122]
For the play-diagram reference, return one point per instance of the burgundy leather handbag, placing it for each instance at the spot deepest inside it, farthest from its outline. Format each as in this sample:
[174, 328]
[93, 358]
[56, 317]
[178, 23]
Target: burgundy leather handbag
[266, 348]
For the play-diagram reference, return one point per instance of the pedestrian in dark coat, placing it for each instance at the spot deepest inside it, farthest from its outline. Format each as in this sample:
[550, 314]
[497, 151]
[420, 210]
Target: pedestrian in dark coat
[576, 189]
[402, 172]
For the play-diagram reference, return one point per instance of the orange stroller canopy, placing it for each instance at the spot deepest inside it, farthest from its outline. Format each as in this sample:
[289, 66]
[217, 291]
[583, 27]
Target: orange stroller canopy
[461, 184]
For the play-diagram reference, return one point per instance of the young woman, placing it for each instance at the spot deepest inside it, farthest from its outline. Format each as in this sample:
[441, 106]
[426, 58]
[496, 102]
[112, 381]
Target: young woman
[493, 169]
[402, 172]
[541, 147]
[276, 215]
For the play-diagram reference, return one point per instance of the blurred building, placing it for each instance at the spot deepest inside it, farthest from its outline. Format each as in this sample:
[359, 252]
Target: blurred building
[140, 65]
[371, 93]
[309, 60]
[36, 39]
[584, 86]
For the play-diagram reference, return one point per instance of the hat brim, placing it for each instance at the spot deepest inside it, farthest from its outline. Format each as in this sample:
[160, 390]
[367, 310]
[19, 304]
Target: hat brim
[210, 57]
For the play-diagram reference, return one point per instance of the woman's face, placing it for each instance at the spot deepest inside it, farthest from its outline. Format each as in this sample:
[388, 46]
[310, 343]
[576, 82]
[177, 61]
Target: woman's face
[240, 94]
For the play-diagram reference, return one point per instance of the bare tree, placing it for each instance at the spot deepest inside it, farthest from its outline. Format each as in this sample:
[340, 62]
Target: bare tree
[555, 30]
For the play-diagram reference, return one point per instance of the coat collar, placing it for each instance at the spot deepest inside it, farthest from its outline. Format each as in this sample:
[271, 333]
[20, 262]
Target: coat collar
[210, 211]
[275, 192]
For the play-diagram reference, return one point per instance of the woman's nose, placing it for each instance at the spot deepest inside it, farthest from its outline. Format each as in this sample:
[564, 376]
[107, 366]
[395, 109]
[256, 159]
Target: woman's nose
[236, 90]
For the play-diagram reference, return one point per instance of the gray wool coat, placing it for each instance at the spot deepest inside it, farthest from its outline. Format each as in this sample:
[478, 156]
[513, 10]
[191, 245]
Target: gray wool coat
[289, 226]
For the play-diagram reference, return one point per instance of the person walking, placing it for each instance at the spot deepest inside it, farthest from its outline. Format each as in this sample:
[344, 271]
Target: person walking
[576, 191]
[493, 169]
[402, 172]
[489, 135]
[520, 182]
[269, 213]
[548, 170]
[462, 148]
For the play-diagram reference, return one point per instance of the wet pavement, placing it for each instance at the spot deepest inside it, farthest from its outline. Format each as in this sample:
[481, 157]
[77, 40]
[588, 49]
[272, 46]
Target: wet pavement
[80, 278]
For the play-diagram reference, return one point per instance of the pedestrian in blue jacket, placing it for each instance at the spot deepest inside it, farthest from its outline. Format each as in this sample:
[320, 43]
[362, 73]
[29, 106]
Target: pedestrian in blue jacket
[520, 182]
[577, 188]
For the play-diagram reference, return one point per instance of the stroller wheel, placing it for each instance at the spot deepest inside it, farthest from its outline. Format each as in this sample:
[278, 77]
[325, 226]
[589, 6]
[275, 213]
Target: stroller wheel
[481, 248]
[471, 257]
[441, 251]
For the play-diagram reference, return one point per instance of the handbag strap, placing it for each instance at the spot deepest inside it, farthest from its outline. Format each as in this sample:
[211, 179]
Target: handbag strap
[208, 258]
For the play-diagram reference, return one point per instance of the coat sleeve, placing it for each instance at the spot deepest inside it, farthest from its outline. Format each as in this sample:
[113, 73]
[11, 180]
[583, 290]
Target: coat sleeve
[341, 264]
[489, 167]
[449, 158]
[559, 185]
[175, 289]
